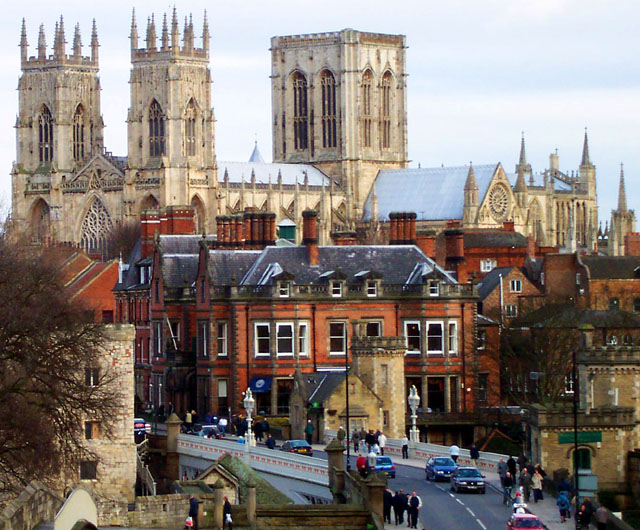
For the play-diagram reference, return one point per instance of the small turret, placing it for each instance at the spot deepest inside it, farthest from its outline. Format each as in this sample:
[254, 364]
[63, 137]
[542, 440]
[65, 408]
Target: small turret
[94, 43]
[151, 33]
[165, 34]
[59, 50]
[134, 31]
[77, 43]
[187, 36]
[42, 44]
[205, 34]
[175, 35]
[622, 194]
[470, 208]
[24, 52]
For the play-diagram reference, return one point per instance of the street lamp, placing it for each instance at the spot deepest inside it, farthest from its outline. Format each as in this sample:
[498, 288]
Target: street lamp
[249, 403]
[414, 402]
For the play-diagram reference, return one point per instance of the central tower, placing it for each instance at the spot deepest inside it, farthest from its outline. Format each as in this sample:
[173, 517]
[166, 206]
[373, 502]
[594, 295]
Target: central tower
[339, 103]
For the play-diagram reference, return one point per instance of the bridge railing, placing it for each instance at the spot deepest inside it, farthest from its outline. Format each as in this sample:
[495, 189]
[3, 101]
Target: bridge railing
[143, 470]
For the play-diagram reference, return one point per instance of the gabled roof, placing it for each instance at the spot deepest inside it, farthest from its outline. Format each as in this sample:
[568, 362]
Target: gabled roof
[612, 268]
[569, 316]
[432, 193]
[492, 280]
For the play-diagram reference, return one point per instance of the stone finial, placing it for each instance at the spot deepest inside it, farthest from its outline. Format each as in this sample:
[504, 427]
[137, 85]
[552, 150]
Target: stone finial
[134, 31]
[60, 41]
[151, 33]
[77, 42]
[586, 161]
[206, 36]
[165, 33]
[42, 44]
[23, 42]
[622, 194]
[94, 42]
[175, 33]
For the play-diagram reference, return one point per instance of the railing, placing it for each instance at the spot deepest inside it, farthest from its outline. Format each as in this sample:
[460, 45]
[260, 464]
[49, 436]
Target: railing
[143, 470]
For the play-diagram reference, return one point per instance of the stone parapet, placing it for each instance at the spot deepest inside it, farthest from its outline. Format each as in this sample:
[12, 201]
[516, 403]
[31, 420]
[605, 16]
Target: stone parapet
[562, 417]
[378, 345]
[610, 355]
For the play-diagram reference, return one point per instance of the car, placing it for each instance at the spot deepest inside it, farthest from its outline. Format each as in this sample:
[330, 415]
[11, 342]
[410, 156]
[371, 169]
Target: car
[385, 464]
[439, 468]
[140, 427]
[209, 431]
[297, 446]
[469, 479]
[523, 520]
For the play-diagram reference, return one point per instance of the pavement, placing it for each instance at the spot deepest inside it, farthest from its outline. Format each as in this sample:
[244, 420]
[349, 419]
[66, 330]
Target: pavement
[546, 509]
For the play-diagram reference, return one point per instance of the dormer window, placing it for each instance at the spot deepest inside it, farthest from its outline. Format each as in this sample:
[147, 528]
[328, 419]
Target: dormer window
[144, 274]
[434, 288]
[283, 289]
[372, 288]
[336, 289]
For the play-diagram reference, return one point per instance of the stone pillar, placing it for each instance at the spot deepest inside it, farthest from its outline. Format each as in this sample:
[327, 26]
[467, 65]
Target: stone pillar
[335, 464]
[374, 488]
[218, 520]
[173, 429]
[251, 504]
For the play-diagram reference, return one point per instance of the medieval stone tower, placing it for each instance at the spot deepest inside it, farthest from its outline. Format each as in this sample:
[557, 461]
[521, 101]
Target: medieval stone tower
[623, 221]
[339, 103]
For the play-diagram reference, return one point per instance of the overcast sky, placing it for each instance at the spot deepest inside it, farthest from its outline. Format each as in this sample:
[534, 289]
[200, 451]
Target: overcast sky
[479, 74]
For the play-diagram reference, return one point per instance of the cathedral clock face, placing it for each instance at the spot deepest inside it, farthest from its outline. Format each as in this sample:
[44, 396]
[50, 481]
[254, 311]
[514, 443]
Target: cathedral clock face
[498, 202]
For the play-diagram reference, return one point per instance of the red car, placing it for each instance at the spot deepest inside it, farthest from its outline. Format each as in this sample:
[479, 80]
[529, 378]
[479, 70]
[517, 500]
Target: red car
[523, 520]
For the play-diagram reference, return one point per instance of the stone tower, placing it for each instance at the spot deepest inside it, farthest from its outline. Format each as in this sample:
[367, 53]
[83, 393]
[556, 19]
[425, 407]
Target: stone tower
[171, 137]
[623, 221]
[379, 363]
[339, 102]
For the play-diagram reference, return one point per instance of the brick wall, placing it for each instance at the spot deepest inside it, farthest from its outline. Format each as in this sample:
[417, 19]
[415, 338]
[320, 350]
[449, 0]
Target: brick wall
[491, 304]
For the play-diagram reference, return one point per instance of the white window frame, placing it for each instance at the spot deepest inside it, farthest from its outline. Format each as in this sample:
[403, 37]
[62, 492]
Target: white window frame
[372, 288]
[222, 338]
[452, 338]
[284, 289]
[223, 383]
[174, 332]
[488, 264]
[344, 337]
[407, 323]
[336, 288]
[204, 325]
[430, 324]
[510, 310]
[256, 339]
[279, 326]
[303, 339]
[515, 286]
[434, 288]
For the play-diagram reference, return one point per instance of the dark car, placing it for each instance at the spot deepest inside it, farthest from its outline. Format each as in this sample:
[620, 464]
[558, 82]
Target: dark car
[439, 468]
[297, 446]
[523, 520]
[385, 464]
[210, 431]
[467, 479]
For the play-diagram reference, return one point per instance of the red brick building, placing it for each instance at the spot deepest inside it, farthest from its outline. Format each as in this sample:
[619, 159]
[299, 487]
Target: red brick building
[502, 292]
[213, 321]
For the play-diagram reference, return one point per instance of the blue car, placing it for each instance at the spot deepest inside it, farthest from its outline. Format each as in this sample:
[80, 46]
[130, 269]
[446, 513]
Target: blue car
[439, 468]
[385, 464]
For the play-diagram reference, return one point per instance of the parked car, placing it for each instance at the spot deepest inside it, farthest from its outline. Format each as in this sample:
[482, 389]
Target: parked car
[210, 431]
[523, 520]
[439, 468]
[297, 446]
[467, 478]
[385, 464]
[140, 427]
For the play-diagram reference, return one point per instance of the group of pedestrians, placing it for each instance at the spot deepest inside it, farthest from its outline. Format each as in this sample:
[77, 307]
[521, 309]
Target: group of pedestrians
[402, 503]
[522, 474]
[366, 441]
[474, 453]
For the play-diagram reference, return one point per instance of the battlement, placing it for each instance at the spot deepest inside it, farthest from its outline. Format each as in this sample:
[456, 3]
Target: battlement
[347, 36]
[610, 355]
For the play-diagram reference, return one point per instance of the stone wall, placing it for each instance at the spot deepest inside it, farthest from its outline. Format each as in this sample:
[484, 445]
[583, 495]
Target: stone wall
[303, 517]
[35, 504]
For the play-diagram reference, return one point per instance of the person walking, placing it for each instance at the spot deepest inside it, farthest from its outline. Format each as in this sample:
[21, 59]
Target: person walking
[308, 432]
[525, 482]
[370, 439]
[583, 517]
[270, 443]
[193, 511]
[502, 471]
[387, 502]
[415, 503]
[382, 441]
[602, 515]
[564, 505]
[341, 435]
[257, 430]
[188, 421]
[522, 461]
[405, 447]
[454, 453]
[222, 425]
[511, 466]
[474, 454]
[227, 521]
[507, 488]
[536, 485]
[356, 441]
[399, 505]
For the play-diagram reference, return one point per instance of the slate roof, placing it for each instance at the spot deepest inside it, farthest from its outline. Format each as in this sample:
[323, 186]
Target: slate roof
[432, 193]
[494, 239]
[569, 316]
[225, 265]
[613, 268]
[395, 263]
[291, 173]
[320, 385]
[181, 244]
[492, 280]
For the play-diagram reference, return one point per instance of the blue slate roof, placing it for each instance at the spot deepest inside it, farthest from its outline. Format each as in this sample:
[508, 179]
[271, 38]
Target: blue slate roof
[264, 172]
[491, 281]
[432, 193]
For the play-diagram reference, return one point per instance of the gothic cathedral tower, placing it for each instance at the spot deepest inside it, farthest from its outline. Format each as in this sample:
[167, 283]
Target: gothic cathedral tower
[171, 156]
[339, 103]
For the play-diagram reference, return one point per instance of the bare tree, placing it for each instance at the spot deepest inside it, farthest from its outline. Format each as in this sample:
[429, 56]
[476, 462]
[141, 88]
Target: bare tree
[51, 376]
[121, 240]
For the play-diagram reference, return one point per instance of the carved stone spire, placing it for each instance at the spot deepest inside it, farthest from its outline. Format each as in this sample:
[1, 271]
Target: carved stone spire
[59, 46]
[523, 155]
[77, 42]
[151, 33]
[24, 53]
[42, 44]
[165, 33]
[586, 161]
[134, 31]
[471, 183]
[522, 167]
[206, 36]
[622, 194]
[175, 34]
[94, 42]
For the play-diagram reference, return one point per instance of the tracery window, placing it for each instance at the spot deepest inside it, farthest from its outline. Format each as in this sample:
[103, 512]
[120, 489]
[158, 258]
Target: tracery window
[329, 127]
[78, 134]
[300, 112]
[156, 130]
[95, 228]
[367, 117]
[386, 111]
[45, 135]
[190, 129]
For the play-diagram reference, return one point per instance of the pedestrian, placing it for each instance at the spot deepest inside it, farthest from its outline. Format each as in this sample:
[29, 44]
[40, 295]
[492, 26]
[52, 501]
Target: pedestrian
[564, 505]
[454, 453]
[405, 447]
[193, 511]
[507, 486]
[188, 421]
[270, 443]
[536, 485]
[170, 409]
[226, 515]
[602, 515]
[387, 502]
[583, 517]
[511, 466]
[522, 461]
[399, 504]
[266, 428]
[372, 459]
[222, 425]
[502, 471]
[341, 434]
[518, 503]
[543, 474]
[257, 429]
[563, 485]
[525, 482]
[415, 503]
[361, 465]
[370, 439]
[363, 442]
[474, 454]
[194, 416]
[356, 441]
[382, 441]
[308, 432]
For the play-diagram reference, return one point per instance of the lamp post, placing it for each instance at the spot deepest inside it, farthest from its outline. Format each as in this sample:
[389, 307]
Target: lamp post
[249, 403]
[414, 402]
[576, 472]
[346, 393]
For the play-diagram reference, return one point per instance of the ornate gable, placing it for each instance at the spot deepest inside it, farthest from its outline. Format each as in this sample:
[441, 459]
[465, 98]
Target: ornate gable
[498, 203]
[97, 174]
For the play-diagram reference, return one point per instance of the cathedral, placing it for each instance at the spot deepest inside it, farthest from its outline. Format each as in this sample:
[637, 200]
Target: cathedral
[339, 124]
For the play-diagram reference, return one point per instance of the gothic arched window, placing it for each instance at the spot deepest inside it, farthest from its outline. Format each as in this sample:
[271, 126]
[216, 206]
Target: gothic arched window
[96, 226]
[367, 116]
[386, 110]
[329, 127]
[45, 135]
[78, 134]
[198, 214]
[156, 130]
[40, 220]
[300, 112]
[190, 116]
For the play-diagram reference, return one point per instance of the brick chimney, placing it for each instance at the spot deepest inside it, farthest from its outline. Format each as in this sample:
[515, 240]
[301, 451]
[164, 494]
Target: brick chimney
[426, 241]
[509, 226]
[531, 246]
[402, 228]
[342, 239]
[179, 220]
[310, 235]
[149, 225]
[270, 228]
[632, 244]
[454, 244]
[393, 228]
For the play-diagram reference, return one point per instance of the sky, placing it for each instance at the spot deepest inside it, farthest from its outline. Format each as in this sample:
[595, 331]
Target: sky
[480, 74]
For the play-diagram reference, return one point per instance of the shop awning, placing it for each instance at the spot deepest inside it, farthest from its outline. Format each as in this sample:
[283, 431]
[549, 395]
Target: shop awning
[260, 385]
